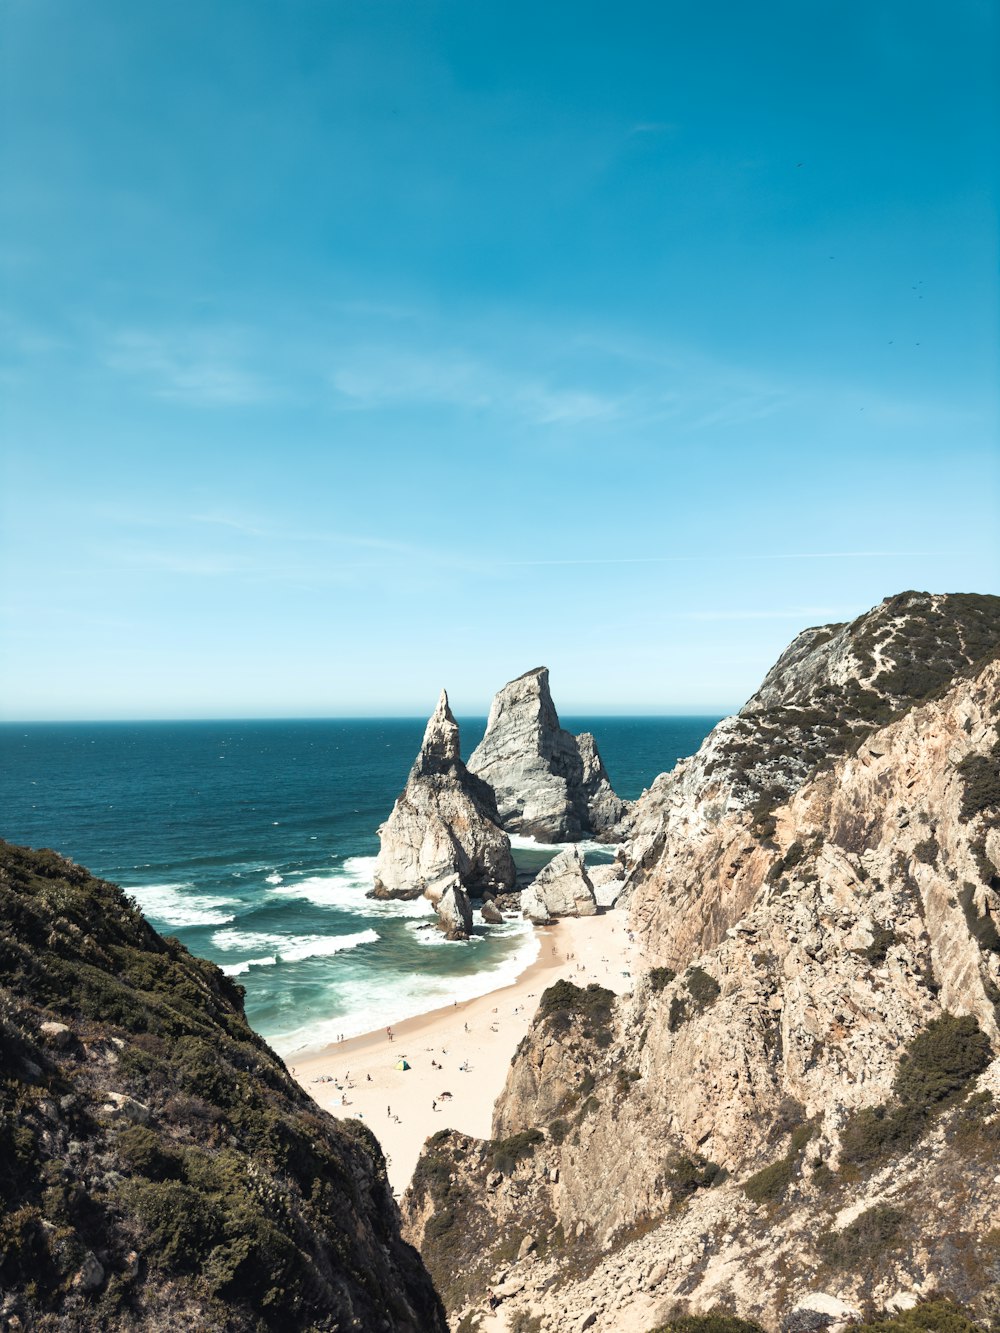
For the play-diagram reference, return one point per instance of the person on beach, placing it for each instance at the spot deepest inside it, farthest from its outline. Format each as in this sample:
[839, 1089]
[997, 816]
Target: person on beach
[388, 1111]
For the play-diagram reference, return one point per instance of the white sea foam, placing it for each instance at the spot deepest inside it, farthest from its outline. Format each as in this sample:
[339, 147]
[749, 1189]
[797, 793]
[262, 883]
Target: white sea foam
[237, 969]
[275, 878]
[346, 888]
[247, 939]
[321, 946]
[407, 996]
[287, 948]
[431, 935]
[528, 844]
[175, 905]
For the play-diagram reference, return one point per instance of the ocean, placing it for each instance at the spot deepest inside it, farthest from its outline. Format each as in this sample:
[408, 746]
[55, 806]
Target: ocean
[254, 842]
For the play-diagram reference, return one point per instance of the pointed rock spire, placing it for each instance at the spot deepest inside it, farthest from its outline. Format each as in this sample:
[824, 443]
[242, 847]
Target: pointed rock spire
[441, 750]
[549, 784]
[444, 830]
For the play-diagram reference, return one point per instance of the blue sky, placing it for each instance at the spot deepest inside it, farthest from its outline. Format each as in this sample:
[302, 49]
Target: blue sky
[352, 349]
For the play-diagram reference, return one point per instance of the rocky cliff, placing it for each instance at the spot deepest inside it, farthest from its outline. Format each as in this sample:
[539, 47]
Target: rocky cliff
[549, 784]
[159, 1168]
[443, 835]
[795, 1115]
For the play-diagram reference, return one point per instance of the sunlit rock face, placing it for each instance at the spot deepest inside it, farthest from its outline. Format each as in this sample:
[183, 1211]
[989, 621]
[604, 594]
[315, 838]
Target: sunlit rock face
[444, 830]
[549, 784]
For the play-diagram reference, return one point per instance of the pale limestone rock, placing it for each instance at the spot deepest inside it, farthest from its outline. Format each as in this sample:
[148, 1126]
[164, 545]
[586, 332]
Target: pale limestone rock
[491, 914]
[561, 888]
[90, 1274]
[781, 921]
[443, 830]
[549, 784]
[117, 1105]
[56, 1034]
[455, 913]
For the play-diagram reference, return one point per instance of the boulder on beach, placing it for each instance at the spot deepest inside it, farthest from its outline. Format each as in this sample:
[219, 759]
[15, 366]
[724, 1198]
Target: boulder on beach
[562, 888]
[455, 913]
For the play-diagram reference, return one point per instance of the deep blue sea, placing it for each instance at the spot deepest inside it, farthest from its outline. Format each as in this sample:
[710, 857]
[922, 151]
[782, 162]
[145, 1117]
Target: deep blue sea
[254, 842]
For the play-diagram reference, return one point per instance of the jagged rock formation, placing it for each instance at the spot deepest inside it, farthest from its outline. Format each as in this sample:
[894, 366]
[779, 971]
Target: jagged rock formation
[159, 1168]
[833, 686]
[444, 831]
[561, 888]
[549, 784]
[797, 1108]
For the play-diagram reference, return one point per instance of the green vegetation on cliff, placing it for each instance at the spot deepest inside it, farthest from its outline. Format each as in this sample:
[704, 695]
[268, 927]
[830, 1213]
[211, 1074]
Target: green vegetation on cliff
[158, 1165]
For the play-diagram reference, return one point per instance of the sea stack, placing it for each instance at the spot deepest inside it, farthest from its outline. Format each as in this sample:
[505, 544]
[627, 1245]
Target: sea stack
[549, 784]
[444, 832]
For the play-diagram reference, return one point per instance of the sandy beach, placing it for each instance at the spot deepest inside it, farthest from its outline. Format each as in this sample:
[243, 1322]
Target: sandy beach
[458, 1056]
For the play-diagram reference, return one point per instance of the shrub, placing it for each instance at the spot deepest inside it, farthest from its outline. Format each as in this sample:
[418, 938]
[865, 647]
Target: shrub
[506, 1153]
[558, 1130]
[935, 1316]
[942, 1060]
[769, 1184]
[704, 990]
[863, 1241]
[939, 1064]
[684, 1176]
[882, 941]
[661, 977]
[182, 1226]
[927, 850]
[717, 1322]
[980, 776]
[563, 1002]
[145, 1154]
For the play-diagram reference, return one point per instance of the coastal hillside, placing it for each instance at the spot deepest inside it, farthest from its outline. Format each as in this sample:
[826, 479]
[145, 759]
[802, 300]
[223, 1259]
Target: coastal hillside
[794, 1115]
[159, 1168]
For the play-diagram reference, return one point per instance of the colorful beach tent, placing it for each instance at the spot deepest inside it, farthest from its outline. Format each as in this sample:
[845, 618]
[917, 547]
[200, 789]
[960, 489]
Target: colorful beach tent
[402, 1064]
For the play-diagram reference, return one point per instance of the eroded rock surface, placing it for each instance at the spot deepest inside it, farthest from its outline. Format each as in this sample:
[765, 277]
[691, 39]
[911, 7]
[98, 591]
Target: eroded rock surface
[733, 1133]
[549, 784]
[561, 888]
[443, 832]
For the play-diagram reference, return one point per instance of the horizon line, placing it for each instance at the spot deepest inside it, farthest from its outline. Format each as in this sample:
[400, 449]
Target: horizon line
[700, 711]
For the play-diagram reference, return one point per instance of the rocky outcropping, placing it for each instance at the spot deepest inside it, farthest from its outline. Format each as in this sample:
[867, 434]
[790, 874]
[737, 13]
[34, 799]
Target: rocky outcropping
[443, 833]
[549, 784]
[833, 686]
[455, 913]
[562, 888]
[796, 1110]
[159, 1167]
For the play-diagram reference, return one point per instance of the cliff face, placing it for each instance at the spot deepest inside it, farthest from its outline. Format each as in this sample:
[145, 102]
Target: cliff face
[833, 686]
[443, 834]
[794, 1111]
[159, 1169]
[549, 784]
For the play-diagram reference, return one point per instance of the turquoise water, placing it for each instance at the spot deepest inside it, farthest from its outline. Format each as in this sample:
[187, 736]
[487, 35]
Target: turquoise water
[253, 842]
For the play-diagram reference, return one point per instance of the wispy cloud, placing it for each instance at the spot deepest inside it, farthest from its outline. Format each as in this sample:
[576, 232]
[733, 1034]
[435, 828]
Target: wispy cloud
[799, 613]
[196, 367]
[653, 127]
[708, 556]
[376, 377]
